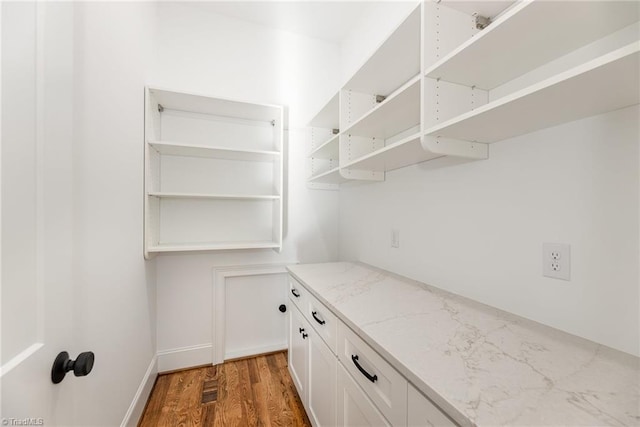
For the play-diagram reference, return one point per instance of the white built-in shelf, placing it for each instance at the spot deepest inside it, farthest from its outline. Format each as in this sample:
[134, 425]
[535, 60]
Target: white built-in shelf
[215, 106]
[400, 111]
[405, 152]
[606, 83]
[329, 177]
[394, 62]
[211, 246]
[327, 117]
[213, 173]
[193, 196]
[328, 150]
[189, 150]
[529, 35]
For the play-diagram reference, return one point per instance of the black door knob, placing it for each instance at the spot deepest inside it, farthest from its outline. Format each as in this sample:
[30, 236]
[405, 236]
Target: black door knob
[81, 366]
[282, 308]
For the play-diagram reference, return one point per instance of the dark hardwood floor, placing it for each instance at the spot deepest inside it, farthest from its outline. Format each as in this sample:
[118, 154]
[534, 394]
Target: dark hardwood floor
[249, 392]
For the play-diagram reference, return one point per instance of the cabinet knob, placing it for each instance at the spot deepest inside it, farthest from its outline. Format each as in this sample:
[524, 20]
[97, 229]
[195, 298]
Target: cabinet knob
[282, 308]
[304, 336]
[301, 330]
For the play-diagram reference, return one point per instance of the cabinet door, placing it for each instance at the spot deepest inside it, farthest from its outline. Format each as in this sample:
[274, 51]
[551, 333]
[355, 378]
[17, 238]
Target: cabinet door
[421, 412]
[322, 382]
[354, 407]
[298, 352]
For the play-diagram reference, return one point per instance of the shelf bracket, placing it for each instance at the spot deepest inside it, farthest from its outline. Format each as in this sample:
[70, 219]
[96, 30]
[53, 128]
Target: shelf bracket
[455, 147]
[380, 98]
[482, 22]
[335, 131]
[160, 108]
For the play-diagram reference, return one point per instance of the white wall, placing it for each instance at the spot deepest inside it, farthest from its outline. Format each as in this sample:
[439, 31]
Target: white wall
[114, 287]
[207, 53]
[477, 228]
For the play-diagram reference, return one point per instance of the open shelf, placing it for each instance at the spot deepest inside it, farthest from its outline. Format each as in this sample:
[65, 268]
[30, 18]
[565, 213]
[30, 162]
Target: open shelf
[529, 35]
[328, 150]
[189, 150]
[400, 111]
[164, 195]
[405, 152]
[606, 83]
[394, 62]
[212, 246]
[329, 177]
[327, 117]
[184, 101]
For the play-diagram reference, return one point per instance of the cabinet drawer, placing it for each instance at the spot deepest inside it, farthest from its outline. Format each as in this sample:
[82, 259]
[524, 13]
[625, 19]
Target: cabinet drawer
[354, 407]
[421, 412]
[297, 293]
[383, 384]
[322, 320]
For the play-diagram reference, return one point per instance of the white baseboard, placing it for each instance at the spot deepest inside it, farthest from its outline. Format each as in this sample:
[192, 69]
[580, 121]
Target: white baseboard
[184, 357]
[132, 417]
[245, 352]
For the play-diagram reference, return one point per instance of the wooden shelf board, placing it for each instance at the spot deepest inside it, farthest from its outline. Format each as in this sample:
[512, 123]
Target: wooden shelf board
[604, 84]
[163, 195]
[330, 177]
[328, 116]
[405, 152]
[400, 111]
[394, 62]
[189, 150]
[211, 246]
[185, 101]
[328, 150]
[515, 43]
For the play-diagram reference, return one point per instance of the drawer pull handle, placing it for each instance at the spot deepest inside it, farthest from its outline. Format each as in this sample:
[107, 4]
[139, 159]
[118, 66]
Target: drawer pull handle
[372, 378]
[313, 313]
[304, 336]
[295, 293]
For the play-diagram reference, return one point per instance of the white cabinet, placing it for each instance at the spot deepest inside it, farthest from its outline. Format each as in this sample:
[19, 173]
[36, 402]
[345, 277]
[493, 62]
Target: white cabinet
[213, 173]
[354, 407]
[298, 353]
[322, 383]
[313, 368]
[421, 412]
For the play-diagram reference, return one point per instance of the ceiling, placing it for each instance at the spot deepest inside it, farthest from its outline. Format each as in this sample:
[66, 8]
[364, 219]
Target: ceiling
[327, 20]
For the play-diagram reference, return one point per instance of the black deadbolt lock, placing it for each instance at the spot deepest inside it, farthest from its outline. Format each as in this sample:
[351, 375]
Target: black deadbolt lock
[81, 366]
[282, 308]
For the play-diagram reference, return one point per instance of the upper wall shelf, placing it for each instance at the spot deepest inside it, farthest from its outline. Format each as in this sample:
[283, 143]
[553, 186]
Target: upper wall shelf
[184, 101]
[190, 150]
[405, 152]
[395, 62]
[328, 116]
[329, 177]
[606, 83]
[398, 112]
[529, 35]
[328, 150]
[192, 196]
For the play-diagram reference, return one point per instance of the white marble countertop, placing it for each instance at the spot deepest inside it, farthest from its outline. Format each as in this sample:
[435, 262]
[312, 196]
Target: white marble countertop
[481, 365]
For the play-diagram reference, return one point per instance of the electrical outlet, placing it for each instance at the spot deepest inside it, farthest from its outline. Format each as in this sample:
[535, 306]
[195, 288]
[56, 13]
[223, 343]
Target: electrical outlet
[556, 260]
[395, 238]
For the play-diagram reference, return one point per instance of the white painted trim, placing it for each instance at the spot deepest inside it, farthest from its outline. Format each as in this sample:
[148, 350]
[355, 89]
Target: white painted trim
[256, 350]
[184, 357]
[220, 274]
[19, 358]
[132, 417]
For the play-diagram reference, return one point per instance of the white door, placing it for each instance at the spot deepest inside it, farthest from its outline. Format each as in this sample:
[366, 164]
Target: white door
[36, 211]
[298, 351]
[321, 382]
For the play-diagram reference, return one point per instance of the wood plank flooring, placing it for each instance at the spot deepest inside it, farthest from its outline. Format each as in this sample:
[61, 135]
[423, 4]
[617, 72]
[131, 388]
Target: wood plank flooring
[249, 392]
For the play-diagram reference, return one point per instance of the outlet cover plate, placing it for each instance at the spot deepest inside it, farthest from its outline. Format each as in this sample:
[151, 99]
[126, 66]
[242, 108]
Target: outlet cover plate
[556, 260]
